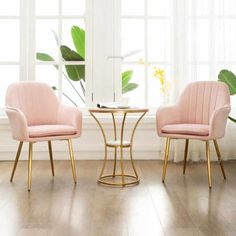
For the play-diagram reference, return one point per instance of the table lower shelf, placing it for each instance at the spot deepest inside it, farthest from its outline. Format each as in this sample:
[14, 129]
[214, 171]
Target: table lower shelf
[117, 143]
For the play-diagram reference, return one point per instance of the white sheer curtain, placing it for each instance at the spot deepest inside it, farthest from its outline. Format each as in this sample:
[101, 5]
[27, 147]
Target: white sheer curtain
[204, 44]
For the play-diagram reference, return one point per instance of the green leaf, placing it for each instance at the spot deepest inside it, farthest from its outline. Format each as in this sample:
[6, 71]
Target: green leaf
[45, 57]
[129, 87]
[126, 77]
[229, 78]
[78, 36]
[232, 119]
[74, 72]
[70, 55]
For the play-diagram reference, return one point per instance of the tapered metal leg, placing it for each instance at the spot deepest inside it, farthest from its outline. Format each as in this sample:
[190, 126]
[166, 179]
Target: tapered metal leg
[72, 160]
[219, 158]
[51, 156]
[30, 165]
[208, 163]
[185, 154]
[166, 159]
[16, 160]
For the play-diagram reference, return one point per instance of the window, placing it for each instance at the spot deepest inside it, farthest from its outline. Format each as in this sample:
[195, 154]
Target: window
[147, 36]
[37, 43]
[184, 41]
[144, 50]
[60, 48]
[9, 45]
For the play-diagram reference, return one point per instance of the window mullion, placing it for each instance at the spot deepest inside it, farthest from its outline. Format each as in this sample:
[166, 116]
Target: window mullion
[89, 53]
[30, 39]
[212, 62]
[23, 39]
[60, 66]
[146, 63]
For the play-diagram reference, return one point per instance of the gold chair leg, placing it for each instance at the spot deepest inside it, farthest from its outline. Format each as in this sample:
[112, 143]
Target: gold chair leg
[166, 159]
[51, 156]
[208, 163]
[72, 160]
[219, 158]
[16, 160]
[185, 154]
[30, 165]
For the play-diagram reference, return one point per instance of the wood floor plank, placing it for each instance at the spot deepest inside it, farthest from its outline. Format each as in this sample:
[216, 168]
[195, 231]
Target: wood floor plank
[55, 206]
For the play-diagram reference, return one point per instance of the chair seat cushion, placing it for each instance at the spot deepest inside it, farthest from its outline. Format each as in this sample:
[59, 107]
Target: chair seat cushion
[50, 130]
[190, 129]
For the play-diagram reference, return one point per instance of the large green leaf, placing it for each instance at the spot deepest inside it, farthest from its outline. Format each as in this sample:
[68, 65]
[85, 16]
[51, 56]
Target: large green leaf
[78, 36]
[70, 55]
[45, 57]
[74, 72]
[126, 77]
[129, 87]
[229, 78]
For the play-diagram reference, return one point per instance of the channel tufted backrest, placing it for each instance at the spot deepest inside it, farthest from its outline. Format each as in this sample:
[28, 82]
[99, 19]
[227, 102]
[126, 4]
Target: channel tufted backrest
[200, 99]
[36, 100]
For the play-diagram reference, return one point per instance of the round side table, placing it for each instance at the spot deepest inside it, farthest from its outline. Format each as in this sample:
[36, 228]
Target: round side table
[126, 179]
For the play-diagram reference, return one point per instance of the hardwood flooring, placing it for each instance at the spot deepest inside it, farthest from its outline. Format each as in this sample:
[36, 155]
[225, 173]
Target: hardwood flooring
[55, 206]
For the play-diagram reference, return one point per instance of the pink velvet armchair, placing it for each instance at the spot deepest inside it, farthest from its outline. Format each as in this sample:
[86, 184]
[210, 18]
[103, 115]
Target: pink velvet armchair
[36, 115]
[200, 113]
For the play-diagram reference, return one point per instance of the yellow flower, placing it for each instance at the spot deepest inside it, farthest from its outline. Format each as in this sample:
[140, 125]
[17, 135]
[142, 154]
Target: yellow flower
[160, 75]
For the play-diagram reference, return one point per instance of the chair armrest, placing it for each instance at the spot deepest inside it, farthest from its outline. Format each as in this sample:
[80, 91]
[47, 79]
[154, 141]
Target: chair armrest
[18, 124]
[167, 115]
[218, 122]
[68, 115]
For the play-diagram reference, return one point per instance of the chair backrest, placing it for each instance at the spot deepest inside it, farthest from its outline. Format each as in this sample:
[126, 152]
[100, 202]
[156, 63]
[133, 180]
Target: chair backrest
[200, 99]
[36, 100]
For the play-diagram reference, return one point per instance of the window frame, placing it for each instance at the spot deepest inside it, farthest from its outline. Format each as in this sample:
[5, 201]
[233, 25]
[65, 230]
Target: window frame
[28, 59]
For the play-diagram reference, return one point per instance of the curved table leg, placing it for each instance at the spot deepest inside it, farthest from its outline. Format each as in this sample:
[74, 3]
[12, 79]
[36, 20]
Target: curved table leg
[115, 152]
[131, 143]
[105, 144]
[106, 179]
[121, 150]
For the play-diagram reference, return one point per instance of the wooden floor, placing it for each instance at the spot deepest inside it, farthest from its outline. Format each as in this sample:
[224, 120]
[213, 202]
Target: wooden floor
[183, 206]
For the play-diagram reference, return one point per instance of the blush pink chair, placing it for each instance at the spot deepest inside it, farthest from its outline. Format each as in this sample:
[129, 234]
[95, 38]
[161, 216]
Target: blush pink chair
[200, 113]
[36, 115]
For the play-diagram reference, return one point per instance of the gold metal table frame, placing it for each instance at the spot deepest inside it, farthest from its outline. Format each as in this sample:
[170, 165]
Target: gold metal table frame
[106, 179]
